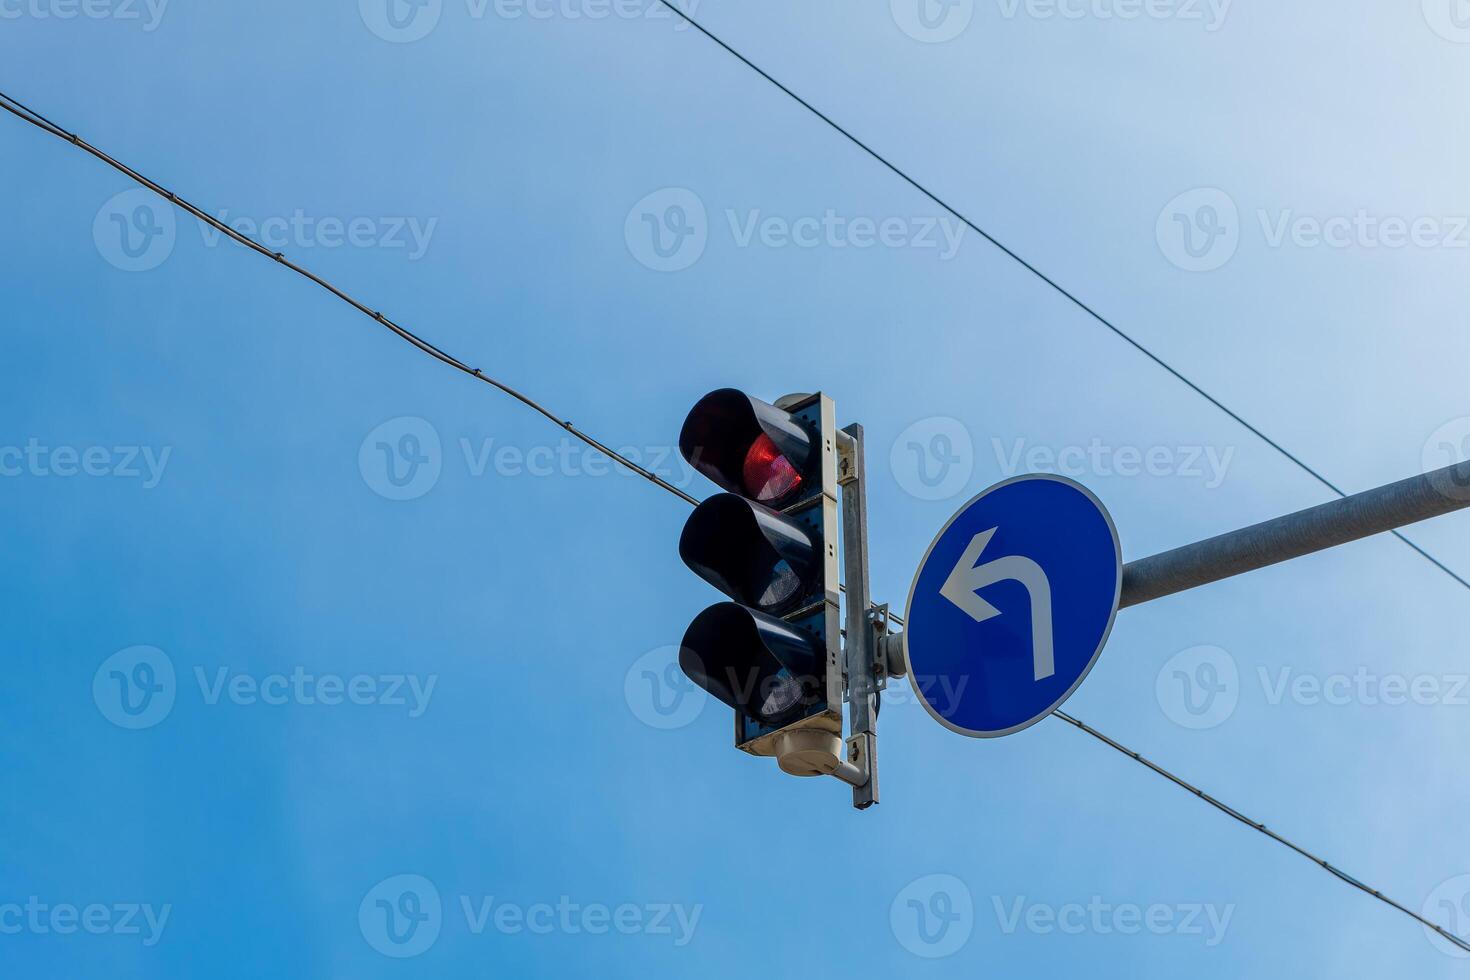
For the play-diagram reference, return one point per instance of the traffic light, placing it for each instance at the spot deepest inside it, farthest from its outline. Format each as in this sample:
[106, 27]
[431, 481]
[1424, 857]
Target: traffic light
[774, 654]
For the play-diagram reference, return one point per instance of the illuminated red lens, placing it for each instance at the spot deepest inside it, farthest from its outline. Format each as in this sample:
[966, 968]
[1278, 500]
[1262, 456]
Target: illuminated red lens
[769, 476]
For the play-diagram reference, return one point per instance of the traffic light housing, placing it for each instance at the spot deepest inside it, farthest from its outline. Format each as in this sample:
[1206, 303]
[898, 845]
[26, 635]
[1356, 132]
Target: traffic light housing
[757, 556]
[769, 543]
[754, 449]
[759, 665]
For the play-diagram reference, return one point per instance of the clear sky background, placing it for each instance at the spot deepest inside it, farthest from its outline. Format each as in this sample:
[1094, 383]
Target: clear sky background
[538, 594]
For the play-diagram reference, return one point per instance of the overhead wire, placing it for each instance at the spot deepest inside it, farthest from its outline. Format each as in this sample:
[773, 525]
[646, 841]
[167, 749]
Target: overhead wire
[1261, 828]
[33, 117]
[1071, 297]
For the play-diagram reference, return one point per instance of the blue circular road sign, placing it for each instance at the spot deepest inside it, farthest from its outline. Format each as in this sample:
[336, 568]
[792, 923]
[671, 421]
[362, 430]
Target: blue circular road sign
[1012, 605]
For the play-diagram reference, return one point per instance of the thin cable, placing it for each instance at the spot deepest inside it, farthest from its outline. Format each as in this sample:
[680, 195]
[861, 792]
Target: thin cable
[1072, 297]
[1262, 828]
[41, 122]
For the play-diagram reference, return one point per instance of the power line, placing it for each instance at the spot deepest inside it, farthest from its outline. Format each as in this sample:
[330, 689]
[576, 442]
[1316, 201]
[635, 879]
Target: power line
[41, 122]
[1068, 294]
[1262, 828]
[33, 117]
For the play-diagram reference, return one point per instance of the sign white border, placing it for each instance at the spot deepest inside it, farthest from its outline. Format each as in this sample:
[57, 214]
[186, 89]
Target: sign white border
[1117, 594]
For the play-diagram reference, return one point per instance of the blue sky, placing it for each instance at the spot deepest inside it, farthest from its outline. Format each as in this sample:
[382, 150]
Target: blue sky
[440, 672]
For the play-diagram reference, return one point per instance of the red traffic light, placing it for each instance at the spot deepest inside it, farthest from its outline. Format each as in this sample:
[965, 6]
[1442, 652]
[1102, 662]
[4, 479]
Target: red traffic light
[751, 447]
[769, 476]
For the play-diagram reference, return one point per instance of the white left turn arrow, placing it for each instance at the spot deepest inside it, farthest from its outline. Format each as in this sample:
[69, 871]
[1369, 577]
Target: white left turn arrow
[969, 577]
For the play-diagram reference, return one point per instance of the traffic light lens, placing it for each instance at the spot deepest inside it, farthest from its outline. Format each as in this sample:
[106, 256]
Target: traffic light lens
[753, 554]
[783, 692]
[782, 587]
[769, 476]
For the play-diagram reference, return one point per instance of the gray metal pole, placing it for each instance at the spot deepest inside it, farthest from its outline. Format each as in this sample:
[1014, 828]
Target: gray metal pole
[861, 645]
[1315, 529]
